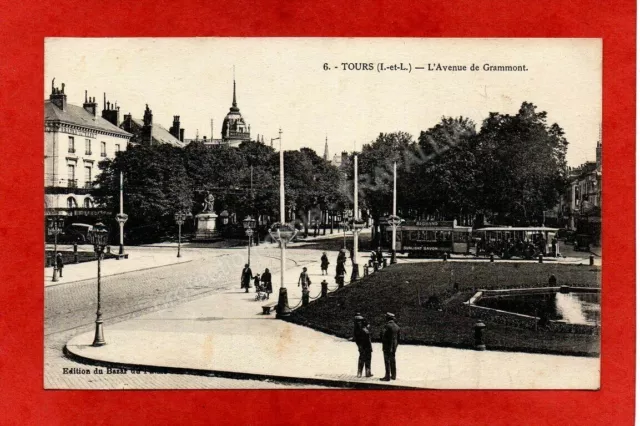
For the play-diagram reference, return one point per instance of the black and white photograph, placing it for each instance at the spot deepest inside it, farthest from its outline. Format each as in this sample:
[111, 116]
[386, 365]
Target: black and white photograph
[322, 213]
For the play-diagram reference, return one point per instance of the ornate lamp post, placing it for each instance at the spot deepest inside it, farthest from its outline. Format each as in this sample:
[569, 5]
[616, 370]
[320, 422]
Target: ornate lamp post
[282, 233]
[395, 222]
[249, 223]
[55, 227]
[180, 218]
[99, 237]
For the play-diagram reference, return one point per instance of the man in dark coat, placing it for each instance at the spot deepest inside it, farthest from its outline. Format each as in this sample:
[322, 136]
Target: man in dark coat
[390, 337]
[362, 337]
[59, 264]
[245, 278]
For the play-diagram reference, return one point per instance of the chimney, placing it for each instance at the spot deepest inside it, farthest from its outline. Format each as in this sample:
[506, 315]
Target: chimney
[57, 97]
[147, 128]
[175, 127]
[181, 135]
[111, 112]
[90, 105]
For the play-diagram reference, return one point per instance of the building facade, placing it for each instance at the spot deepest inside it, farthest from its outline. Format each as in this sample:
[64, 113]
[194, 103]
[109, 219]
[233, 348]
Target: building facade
[76, 139]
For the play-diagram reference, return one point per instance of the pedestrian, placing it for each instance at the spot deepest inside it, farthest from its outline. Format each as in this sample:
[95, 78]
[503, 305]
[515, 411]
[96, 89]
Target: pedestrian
[304, 279]
[256, 282]
[266, 279]
[324, 263]
[340, 273]
[59, 264]
[390, 336]
[362, 337]
[245, 278]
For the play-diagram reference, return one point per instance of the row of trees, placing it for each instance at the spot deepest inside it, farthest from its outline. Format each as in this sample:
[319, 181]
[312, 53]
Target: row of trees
[510, 170]
[161, 180]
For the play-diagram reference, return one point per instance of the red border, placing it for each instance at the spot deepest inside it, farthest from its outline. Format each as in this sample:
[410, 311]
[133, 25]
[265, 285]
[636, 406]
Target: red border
[23, 26]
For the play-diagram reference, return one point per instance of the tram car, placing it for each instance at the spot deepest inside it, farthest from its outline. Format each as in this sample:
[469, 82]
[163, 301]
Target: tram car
[424, 238]
[524, 242]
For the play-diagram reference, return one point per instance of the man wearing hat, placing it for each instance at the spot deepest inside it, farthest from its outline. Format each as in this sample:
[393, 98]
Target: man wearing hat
[362, 337]
[390, 337]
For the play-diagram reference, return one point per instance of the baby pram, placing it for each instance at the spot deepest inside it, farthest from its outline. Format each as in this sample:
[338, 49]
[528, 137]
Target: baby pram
[261, 290]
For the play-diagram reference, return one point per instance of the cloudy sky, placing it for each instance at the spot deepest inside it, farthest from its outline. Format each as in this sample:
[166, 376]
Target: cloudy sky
[281, 82]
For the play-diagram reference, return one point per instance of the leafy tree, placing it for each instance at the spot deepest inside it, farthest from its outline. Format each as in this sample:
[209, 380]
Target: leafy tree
[375, 170]
[156, 186]
[521, 165]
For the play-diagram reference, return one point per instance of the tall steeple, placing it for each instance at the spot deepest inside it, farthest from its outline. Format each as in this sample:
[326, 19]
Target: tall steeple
[326, 148]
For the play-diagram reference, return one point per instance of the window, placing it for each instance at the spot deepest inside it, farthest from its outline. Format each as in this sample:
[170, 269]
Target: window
[72, 203]
[88, 203]
[103, 149]
[87, 177]
[71, 176]
[72, 145]
[87, 146]
[117, 147]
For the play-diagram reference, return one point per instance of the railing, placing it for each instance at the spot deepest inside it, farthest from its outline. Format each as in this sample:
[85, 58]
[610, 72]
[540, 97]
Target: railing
[72, 183]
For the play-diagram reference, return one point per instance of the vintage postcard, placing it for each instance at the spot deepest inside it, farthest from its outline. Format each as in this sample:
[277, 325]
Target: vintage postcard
[358, 213]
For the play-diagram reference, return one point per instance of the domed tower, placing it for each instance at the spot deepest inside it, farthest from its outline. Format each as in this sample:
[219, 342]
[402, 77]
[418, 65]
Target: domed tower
[234, 129]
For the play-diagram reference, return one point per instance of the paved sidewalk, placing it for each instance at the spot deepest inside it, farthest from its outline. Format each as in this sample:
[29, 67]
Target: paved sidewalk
[226, 335]
[139, 259]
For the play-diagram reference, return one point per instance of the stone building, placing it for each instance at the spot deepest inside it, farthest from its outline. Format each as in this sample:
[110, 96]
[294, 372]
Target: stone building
[76, 139]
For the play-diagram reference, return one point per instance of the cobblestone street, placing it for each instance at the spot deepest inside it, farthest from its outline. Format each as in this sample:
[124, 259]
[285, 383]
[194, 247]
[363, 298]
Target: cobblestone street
[70, 310]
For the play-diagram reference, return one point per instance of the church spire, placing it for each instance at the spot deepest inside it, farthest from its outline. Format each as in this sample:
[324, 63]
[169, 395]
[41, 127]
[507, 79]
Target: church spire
[326, 148]
[234, 105]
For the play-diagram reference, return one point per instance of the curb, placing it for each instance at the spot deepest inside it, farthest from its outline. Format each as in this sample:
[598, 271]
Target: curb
[118, 273]
[235, 375]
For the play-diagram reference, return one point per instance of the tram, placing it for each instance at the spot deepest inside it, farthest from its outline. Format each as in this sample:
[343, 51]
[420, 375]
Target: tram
[423, 238]
[524, 242]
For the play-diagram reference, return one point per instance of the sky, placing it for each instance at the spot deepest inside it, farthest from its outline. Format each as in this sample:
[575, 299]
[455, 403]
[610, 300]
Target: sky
[282, 83]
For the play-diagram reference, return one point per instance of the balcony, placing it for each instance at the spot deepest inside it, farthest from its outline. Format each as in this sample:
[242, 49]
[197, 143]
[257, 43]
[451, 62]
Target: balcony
[72, 183]
[72, 150]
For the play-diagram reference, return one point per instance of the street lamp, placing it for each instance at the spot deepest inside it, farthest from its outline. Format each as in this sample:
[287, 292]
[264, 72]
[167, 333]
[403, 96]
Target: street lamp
[249, 223]
[99, 236]
[282, 233]
[180, 218]
[357, 225]
[55, 227]
[394, 221]
[121, 218]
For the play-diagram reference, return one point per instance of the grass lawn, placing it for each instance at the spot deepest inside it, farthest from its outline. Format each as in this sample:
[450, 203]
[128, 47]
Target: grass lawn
[388, 291]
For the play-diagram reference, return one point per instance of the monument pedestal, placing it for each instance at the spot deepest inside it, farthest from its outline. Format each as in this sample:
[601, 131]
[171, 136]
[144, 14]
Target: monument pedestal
[206, 227]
